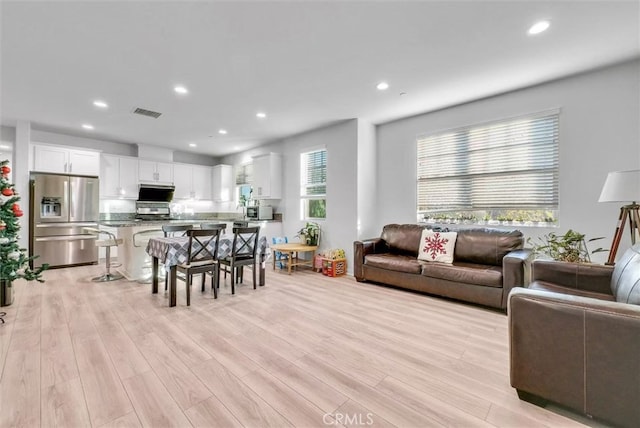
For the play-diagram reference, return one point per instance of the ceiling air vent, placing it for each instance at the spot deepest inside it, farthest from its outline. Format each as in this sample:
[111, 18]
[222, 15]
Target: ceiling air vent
[145, 112]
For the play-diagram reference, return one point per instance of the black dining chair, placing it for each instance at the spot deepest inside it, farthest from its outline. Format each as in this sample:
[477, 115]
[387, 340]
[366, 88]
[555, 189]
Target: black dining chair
[207, 226]
[171, 230]
[243, 253]
[202, 258]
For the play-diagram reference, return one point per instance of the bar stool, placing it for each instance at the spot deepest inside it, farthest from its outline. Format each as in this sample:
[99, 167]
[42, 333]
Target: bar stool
[141, 239]
[112, 241]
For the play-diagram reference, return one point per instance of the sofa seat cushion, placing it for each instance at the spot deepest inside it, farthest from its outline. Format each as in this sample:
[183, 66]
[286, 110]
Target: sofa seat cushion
[549, 286]
[468, 273]
[394, 262]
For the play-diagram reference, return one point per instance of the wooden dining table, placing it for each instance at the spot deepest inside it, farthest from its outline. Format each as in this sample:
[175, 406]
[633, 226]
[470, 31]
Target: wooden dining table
[172, 251]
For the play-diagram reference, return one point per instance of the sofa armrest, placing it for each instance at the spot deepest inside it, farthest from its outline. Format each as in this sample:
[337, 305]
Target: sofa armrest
[576, 351]
[361, 249]
[516, 271]
[581, 276]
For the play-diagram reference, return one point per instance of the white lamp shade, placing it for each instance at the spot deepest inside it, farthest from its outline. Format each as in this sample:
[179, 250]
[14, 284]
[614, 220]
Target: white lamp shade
[621, 186]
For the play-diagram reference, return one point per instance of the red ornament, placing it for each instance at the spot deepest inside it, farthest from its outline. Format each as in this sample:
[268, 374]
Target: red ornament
[18, 213]
[15, 207]
[7, 192]
[5, 170]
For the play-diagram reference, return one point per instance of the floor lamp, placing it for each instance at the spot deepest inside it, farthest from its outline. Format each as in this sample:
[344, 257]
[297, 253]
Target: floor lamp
[623, 186]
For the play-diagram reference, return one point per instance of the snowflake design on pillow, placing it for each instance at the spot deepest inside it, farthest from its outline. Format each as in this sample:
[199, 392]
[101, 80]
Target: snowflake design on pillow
[435, 244]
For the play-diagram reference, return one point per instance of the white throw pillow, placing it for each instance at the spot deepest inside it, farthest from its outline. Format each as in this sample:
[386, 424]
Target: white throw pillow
[437, 246]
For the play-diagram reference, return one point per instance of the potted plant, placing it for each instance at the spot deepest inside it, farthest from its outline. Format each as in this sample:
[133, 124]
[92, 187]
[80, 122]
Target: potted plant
[570, 247]
[14, 262]
[310, 233]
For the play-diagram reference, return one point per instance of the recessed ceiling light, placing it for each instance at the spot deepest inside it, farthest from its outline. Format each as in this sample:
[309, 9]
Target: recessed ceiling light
[539, 27]
[100, 104]
[4, 147]
[382, 86]
[193, 145]
[222, 131]
[261, 115]
[87, 126]
[180, 90]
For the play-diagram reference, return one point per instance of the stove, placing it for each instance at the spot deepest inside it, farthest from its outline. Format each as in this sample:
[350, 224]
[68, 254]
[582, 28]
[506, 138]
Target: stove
[153, 210]
[153, 202]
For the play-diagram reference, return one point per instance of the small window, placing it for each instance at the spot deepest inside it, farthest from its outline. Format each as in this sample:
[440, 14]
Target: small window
[503, 172]
[313, 184]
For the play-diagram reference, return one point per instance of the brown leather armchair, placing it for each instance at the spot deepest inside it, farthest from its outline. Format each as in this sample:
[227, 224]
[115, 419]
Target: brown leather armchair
[575, 338]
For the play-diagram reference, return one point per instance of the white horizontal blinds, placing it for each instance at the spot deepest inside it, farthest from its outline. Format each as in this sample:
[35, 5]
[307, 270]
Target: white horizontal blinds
[510, 164]
[314, 173]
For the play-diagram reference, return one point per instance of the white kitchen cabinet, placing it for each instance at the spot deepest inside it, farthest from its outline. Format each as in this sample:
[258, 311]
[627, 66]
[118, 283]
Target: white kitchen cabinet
[267, 176]
[182, 181]
[64, 160]
[155, 172]
[222, 183]
[202, 182]
[192, 182]
[118, 177]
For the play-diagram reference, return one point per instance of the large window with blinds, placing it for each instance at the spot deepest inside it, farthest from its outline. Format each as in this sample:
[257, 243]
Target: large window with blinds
[499, 172]
[313, 184]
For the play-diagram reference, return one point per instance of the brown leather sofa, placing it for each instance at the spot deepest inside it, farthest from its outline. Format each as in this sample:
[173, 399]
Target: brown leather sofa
[575, 338]
[487, 264]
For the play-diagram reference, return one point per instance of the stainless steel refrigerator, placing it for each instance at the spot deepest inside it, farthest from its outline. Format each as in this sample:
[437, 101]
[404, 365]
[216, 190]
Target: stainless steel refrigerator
[61, 206]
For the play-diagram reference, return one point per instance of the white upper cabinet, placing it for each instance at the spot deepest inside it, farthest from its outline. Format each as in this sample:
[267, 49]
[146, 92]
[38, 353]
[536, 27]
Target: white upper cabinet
[155, 172]
[267, 176]
[118, 177]
[64, 160]
[192, 182]
[202, 186]
[222, 183]
[182, 181]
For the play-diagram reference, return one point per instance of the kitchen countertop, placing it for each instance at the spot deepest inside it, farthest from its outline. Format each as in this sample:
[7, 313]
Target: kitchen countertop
[138, 222]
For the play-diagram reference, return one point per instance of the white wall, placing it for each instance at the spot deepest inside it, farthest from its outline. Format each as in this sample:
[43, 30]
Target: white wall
[367, 180]
[599, 132]
[339, 229]
[20, 170]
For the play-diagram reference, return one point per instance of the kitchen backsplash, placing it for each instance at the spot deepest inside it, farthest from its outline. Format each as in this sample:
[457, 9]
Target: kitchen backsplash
[125, 209]
[180, 207]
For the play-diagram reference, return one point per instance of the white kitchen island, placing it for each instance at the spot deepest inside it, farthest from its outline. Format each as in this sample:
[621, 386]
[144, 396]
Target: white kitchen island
[136, 263]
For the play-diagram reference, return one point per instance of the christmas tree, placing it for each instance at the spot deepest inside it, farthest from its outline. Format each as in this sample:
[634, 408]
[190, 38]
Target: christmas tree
[14, 261]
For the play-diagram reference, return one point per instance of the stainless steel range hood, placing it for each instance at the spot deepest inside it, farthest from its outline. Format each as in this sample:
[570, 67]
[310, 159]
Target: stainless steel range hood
[155, 193]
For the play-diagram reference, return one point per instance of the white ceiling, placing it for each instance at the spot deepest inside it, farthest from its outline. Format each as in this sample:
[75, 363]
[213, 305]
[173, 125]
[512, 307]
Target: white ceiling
[306, 64]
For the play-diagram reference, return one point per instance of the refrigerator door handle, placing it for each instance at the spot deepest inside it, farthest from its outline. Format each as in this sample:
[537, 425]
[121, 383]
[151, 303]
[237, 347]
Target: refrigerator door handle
[66, 225]
[66, 238]
[70, 196]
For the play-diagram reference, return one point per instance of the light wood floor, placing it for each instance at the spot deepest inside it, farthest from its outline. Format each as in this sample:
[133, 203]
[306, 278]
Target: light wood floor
[305, 351]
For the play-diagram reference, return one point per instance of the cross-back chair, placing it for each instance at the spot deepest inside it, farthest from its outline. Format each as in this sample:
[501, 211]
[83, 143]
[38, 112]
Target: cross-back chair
[206, 226]
[243, 253]
[202, 257]
[171, 230]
